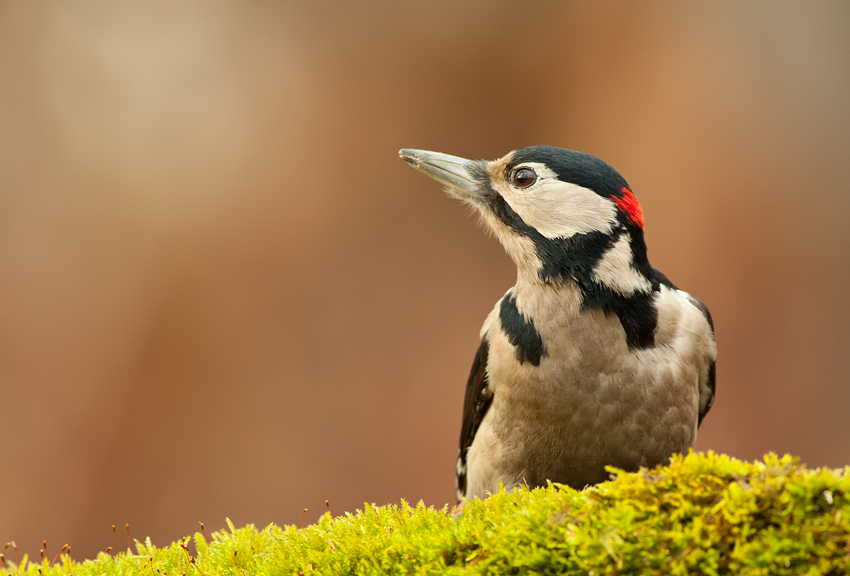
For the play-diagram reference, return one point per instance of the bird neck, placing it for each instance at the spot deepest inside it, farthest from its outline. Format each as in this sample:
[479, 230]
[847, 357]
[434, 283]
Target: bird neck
[607, 272]
[596, 260]
[543, 300]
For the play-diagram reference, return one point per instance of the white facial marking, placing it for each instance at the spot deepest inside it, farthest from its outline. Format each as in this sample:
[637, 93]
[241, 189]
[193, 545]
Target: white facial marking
[519, 248]
[615, 270]
[559, 209]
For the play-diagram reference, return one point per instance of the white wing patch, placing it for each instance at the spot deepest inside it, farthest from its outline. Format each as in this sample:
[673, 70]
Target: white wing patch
[615, 271]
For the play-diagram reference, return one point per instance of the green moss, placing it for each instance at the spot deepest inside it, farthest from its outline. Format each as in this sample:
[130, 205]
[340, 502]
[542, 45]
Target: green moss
[702, 514]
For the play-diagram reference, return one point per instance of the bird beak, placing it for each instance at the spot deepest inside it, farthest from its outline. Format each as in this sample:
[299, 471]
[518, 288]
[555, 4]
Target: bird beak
[453, 171]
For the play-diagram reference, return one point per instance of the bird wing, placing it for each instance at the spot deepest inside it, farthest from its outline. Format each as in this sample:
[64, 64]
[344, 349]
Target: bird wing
[707, 384]
[475, 404]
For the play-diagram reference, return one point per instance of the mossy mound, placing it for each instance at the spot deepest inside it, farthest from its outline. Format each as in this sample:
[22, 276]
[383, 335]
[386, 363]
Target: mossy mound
[703, 514]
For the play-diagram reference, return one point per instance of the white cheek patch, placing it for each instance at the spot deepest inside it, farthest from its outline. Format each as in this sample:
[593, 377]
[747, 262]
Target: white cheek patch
[559, 209]
[615, 271]
[521, 249]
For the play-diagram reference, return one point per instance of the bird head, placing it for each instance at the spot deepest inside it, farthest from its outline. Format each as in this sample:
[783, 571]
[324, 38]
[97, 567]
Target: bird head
[561, 215]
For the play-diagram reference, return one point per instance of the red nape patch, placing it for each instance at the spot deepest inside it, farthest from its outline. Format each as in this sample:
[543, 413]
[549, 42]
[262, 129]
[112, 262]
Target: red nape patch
[629, 204]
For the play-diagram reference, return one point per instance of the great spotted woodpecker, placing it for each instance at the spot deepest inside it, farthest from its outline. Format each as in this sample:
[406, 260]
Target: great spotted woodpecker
[593, 358]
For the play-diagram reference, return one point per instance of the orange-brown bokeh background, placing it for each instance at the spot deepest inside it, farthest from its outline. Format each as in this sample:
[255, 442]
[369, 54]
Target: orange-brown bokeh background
[223, 294]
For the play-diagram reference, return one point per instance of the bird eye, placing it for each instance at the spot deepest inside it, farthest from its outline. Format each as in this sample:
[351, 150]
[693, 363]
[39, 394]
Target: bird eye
[523, 178]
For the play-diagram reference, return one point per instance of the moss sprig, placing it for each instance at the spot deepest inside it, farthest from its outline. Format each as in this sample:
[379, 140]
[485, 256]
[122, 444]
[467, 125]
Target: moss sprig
[701, 514]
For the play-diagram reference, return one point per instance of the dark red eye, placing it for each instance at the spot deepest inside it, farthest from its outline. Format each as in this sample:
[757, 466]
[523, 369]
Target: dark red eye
[523, 178]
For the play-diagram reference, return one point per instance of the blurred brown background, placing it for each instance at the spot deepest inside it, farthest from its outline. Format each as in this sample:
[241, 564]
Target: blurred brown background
[223, 294]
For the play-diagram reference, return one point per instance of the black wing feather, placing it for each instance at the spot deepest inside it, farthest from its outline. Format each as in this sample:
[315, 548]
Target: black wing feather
[712, 378]
[475, 404]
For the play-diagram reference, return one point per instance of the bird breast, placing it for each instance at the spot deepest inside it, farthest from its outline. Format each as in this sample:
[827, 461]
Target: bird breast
[591, 401]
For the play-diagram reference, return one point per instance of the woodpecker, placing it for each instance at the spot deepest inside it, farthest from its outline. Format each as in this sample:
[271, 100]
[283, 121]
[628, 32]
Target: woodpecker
[594, 358]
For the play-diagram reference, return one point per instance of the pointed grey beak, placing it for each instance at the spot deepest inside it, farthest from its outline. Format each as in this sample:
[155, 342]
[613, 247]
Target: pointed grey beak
[453, 171]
